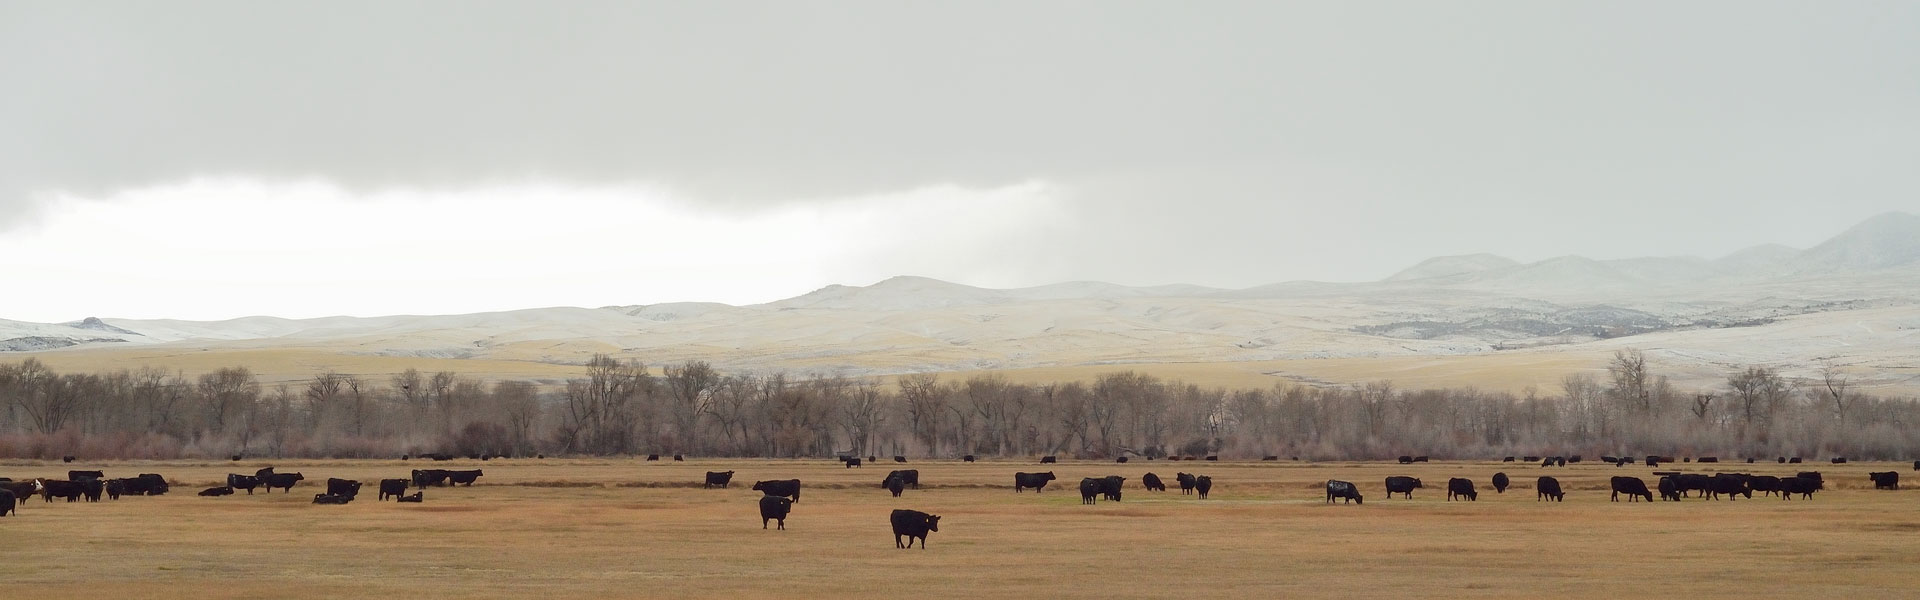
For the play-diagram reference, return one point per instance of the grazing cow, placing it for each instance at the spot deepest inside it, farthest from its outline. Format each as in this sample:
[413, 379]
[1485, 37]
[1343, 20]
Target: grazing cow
[1547, 462]
[235, 458]
[68, 490]
[1793, 461]
[395, 488]
[116, 488]
[1573, 459]
[66, 459]
[330, 499]
[1214, 457]
[789, 488]
[417, 497]
[1530, 458]
[775, 508]
[91, 489]
[1406, 459]
[1089, 490]
[1559, 461]
[1031, 480]
[1750, 460]
[1110, 486]
[1889, 480]
[653, 457]
[1669, 489]
[894, 484]
[1839, 460]
[1202, 483]
[1709, 459]
[79, 475]
[243, 482]
[1500, 483]
[1419, 459]
[899, 459]
[913, 524]
[1611, 459]
[1344, 491]
[8, 504]
[1729, 484]
[1186, 482]
[1402, 485]
[1153, 483]
[1783, 460]
[1653, 461]
[1121, 460]
[967, 458]
[1548, 487]
[1692, 482]
[427, 477]
[463, 477]
[1047, 460]
[1633, 487]
[283, 481]
[217, 491]
[1802, 485]
[909, 477]
[852, 462]
[1463, 488]
[1507, 459]
[719, 478]
[343, 487]
[1765, 484]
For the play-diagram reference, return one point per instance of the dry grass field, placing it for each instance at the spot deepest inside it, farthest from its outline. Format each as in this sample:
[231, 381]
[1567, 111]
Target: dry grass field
[633, 529]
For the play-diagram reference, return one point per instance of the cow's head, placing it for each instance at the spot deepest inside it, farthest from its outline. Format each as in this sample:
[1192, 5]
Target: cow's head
[933, 522]
[1359, 499]
[1416, 483]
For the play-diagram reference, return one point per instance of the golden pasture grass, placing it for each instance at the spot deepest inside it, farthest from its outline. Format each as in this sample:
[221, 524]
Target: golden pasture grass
[633, 529]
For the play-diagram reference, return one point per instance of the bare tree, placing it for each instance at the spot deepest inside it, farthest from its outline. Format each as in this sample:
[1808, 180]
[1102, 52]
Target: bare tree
[1836, 383]
[925, 404]
[690, 389]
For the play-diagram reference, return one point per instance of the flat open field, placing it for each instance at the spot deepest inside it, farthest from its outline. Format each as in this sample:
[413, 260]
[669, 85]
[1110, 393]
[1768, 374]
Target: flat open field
[633, 529]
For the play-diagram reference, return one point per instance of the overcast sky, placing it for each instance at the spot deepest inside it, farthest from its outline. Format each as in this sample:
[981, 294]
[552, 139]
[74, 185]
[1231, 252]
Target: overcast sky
[212, 160]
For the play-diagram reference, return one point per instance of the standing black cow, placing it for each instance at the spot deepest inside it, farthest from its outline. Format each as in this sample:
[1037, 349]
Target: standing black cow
[1201, 484]
[1402, 485]
[1839, 460]
[779, 487]
[1089, 490]
[909, 477]
[116, 488]
[1548, 488]
[1406, 459]
[894, 484]
[1047, 460]
[79, 475]
[1186, 482]
[426, 477]
[967, 458]
[1916, 465]
[1669, 489]
[774, 508]
[1889, 480]
[1343, 490]
[852, 461]
[8, 504]
[899, 459]
[1802, 484]
[1463, 488]
[1037, 481]
[68, 490]
[463, 477]
[1500, 483]
[913, 524]
[1633, 487]
[1728, 483]
[1121, 460]
[283, 481]
[395, 488]
[1111, 486]
[719, 478]
[243, 482]
[1153, 483]
[1765, 484]
[678, 458]
[91, 489]
[343, 487]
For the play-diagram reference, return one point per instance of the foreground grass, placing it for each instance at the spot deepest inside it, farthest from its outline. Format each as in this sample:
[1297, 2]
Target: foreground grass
[633, 529]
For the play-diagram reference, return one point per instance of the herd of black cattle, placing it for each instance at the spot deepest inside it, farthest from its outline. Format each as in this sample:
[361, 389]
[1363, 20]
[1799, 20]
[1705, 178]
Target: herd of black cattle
[778, 496]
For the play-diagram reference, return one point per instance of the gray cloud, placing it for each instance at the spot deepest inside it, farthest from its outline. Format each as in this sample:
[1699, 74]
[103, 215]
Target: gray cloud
[1219, 143]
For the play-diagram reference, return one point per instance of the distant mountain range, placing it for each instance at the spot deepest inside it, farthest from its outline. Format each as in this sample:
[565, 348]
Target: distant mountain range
[1852, 297]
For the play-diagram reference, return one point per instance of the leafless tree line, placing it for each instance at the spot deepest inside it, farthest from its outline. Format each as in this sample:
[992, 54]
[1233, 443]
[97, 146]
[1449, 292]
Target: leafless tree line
[623, 408]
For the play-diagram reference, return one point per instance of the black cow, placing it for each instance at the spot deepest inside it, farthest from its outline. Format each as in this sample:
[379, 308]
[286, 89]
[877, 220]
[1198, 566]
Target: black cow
[21, 490]
[1729, 484]
[1500, 483]
[1633, 487]
[789, 488]
[1839, 460]
[852, 462]
[1548, 487]
[395, 488]
[1121, 460]
[1765, 484]
[1153, 483]
[69, 490]
[263, 473]
[8, 504]
[116, 488]
[1216, 457]
[331, 499]
[967, 458]
[1031, 480]
[894, 484]
[1793, 461]
[1047, 460]
[1669, 490]
[343, 487]
[1916, 465]
[243, 482]
[909, 477]
[653, 457]
[79, 475]
[283, 481]
[1202, 484]
[1110, 486]
[1186, 482]
[1402, 485]
[1709, 459]
[463, 477]
[66, 459]
[1089, 491]
[719, 478]
[235, 458]
[1406, 459]
[1693, 482]
[146, 484]
[1889, 480]
[1802, 485]
[1814, 475]
[677, 458]
[1507, 459]
[775, 508]
[899, 459]
[427, 477]
[1653, 461]
[1530, 458]
[1573, 459]
[1611, 459]
[1344, 491]
[913, 524]
[417, 497]
[91, 489]
[217, 491]
[1462, 488]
